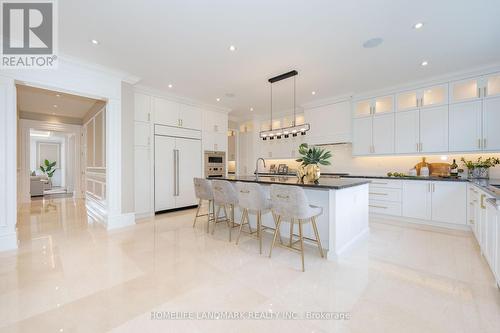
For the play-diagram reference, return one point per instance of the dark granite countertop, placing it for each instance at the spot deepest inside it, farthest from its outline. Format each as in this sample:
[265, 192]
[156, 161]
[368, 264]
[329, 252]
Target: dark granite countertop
[324, 183]
[441, 179]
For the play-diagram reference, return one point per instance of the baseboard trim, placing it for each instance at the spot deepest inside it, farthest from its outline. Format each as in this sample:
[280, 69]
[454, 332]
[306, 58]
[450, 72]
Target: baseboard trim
[417, 222]
[120, 221]
[145, 215]
[8, 241]
[332, 254]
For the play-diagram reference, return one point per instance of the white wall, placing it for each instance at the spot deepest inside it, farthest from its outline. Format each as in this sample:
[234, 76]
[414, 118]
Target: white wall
[128, 148]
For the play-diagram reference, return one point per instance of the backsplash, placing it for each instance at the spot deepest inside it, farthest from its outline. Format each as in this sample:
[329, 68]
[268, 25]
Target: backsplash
[344, 162]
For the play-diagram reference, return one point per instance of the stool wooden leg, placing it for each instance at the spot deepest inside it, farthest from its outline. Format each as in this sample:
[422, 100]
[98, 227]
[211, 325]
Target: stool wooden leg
[259, 230]
[301, 245]
[276, 232]
[316, 234]
[208, 215]
[197, 212]
[276, 225]
[291, 232]
[216, 218]
[243, 215]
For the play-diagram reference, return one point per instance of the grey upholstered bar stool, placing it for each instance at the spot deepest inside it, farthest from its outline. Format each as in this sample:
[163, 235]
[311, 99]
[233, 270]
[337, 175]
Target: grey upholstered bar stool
[290, 204]
[203, 192]
[252, 200]
[224, 196]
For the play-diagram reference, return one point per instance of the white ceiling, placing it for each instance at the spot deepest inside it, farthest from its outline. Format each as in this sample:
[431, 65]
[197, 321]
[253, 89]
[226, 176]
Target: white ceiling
[36, 100]
[186, 43]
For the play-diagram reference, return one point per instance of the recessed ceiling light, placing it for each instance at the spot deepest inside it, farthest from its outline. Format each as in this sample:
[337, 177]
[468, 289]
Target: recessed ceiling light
[371, 43]
[232, 48]
[95, 41]
[313, 93]
[55, 105]
[217, 99]
[170, 85]
[251, 109]
[424, 63]
[418, 25]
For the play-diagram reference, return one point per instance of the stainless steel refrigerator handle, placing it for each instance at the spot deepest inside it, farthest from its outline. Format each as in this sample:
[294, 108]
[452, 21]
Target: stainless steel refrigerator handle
[177, 172]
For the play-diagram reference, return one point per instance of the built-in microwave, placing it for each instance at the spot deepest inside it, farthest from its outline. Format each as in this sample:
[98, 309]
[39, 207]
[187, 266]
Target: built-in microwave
[215, 164]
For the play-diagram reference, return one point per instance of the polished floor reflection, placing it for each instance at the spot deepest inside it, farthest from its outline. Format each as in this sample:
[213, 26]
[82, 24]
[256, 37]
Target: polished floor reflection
[71, 275]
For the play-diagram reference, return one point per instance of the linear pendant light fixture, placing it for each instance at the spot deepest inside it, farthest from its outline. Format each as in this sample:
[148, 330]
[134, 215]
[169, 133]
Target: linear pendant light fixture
[294, 130]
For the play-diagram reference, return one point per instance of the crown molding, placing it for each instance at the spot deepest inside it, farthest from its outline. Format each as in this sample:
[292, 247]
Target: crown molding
[179, 99]
[328, 101]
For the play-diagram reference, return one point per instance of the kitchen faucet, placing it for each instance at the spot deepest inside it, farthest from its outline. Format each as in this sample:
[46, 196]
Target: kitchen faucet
[257, 167]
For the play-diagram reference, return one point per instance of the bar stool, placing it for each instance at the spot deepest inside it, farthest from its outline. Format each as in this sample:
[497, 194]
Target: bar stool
[290, 204]
[203, 191]
[252, 199]
[224, 195]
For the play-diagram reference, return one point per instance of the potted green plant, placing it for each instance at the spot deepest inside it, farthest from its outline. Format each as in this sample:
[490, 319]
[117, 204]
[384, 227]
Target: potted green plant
[311, 158]
[480, 168]
[48, 168]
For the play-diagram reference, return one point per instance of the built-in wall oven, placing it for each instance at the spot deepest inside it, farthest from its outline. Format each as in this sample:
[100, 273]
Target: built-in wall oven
[215, 164]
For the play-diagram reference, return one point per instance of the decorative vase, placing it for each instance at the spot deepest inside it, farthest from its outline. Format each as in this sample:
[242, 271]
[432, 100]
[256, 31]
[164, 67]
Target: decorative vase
[301, 173]
[312, 172]
[483, 173]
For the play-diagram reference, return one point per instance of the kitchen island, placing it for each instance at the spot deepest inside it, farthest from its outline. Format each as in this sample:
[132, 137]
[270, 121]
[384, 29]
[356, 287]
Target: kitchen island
[345, 209]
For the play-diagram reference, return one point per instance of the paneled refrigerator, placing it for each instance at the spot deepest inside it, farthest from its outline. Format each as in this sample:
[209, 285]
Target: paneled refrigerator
[178, 159]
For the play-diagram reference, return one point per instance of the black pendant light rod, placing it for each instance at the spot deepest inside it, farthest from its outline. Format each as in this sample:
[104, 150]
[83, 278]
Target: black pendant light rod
[283, 76]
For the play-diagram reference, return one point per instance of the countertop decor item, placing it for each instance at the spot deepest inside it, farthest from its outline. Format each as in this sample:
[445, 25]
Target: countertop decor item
[480, 168]
[439, 169]
[420, 165]
[311, 158]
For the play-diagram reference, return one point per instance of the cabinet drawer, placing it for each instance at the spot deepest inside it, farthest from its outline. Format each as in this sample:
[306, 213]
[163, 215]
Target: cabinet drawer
[385, 194]
[386, 183]
[385, 207]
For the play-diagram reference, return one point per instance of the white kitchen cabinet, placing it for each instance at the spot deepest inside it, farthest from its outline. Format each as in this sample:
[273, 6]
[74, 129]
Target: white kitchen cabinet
[190, 117]
[434, 129]
[421, 98]
[440, 201]
[434, 96]
[465, 126]
[362, 136]
[142, 107]
[473, 210]
[383, 134]
[407, 132]
[142, 181]
[165, 112]
[490, 251]
[497, 253]
[491, 124]
[329, 123]
[417, 199]
[492, 85]
[465, 90]
[142, 134]
[377, 105]
[449, 202]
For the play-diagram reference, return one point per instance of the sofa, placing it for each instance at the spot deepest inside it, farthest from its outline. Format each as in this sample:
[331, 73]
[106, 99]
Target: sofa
[38, 184]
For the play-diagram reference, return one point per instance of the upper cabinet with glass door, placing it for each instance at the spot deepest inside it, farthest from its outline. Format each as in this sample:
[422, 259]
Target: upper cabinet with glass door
[465, 90]
[421, 98]
[378, 105]
[492, 85]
